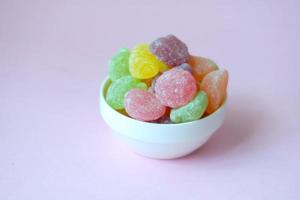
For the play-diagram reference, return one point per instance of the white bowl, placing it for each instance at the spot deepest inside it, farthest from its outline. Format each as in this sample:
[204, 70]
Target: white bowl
[160, 141]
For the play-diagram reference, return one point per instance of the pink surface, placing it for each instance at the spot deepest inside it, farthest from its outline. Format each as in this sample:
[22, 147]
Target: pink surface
[54, 144]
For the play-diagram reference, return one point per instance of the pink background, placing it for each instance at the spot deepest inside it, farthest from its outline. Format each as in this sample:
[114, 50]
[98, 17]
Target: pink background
[54, 144]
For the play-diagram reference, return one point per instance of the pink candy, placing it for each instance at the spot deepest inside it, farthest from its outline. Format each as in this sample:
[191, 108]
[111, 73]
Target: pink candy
[175, 88]
[143, 105]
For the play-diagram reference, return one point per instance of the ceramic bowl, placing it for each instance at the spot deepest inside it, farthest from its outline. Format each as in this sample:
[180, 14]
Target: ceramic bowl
[160, 141]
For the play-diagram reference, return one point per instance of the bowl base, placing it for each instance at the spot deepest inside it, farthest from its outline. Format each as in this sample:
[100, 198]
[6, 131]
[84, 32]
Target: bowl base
[161, 151]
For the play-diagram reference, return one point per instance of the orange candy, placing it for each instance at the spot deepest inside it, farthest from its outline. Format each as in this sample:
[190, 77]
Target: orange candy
[201, 66]
[198, 85]
[215, 85]
[148, 82]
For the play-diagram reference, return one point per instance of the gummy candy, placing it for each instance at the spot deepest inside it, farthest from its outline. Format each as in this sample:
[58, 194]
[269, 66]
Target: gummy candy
[117, 90]
[162, 83]
[151, 90]
[163, 68]
[191, 111]
[148, 82]
[118, 66]
[143, 64]
[152, 87]
[123, 112]
[175, 87]
[201, 66]
[215, 85]
[165, 119]
[185, 67]
[170, 50]
[198, 85]
[143, 105]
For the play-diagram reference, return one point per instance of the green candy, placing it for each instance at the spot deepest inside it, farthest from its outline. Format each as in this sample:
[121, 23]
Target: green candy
[191, 111]
[117, 90]
[118, 65]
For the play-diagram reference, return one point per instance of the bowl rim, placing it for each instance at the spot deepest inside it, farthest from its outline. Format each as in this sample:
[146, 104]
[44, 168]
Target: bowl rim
[103, 100]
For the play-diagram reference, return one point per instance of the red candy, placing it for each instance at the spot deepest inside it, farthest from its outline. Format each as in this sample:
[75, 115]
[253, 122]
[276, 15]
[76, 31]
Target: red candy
[181, 87]
[152, 87]
[143, 105]
[175, 88]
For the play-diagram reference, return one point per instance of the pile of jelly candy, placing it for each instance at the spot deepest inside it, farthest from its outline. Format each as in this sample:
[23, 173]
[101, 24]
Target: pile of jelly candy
[161, 82]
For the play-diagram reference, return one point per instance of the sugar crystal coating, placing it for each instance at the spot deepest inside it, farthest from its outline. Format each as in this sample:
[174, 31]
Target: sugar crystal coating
[118, 65]
[143, 105]
[191, 111]
[153, 83]
[165, 119]
[215, 85]
[117, 90]
[143, 64]
[201, 66]
[170, 50]
[175, 87]
[181, 87]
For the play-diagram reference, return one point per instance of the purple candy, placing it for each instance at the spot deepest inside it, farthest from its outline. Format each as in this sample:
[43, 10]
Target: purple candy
[170, 50]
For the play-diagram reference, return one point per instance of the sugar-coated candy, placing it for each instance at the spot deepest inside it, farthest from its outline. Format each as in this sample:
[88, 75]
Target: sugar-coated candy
[162, 83]
[198, 85]
[191, 111]
[215, 85]
[170, 50]
[123, 112]
[143, 105]
[175, 87]
[117, 90]
[152, 87]
[143, 64]
[151, 90]
[148, 82]
[118, 65]
[201, 66]
[163, 68]
[186, 67]
[165, 119]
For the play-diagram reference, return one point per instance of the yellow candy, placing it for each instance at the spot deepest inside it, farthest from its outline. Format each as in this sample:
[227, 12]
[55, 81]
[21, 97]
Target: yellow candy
[164, 68]
[143, 64]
